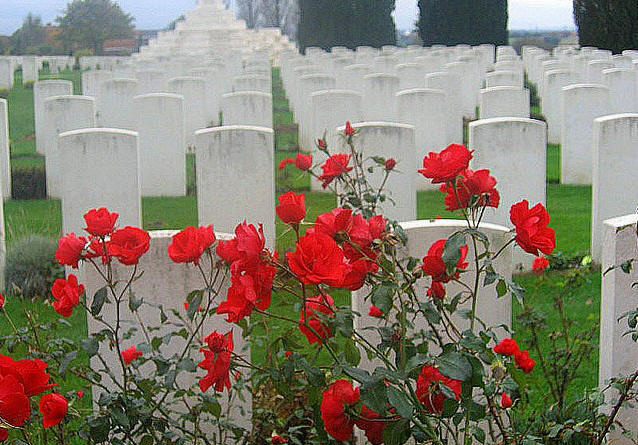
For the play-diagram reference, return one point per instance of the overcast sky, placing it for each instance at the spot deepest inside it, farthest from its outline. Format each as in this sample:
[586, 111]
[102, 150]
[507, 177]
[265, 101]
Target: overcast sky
[154, 14]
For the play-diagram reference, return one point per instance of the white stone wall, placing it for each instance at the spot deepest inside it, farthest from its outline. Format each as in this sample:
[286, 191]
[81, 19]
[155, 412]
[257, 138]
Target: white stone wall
[43, 89]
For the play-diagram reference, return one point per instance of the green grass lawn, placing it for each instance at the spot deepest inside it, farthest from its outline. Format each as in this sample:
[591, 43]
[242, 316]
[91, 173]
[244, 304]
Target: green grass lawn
[570, 207]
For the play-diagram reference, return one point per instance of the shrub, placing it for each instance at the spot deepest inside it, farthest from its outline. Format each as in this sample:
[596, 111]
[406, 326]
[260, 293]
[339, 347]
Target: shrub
[29, 85]
[28, 183]
[31, 266]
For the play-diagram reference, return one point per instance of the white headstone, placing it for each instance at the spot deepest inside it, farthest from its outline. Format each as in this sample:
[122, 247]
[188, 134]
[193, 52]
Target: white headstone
[160, 127]
[426, 109]
[554, 81]
[235, 178]
[5, 155]
[390, 140]
[6, 73]
[63, 113]
[581, 104]
[151, 81]
[101, 170]
[622, 84]
[617, 350]
[504, 102]
[91, 81]
[193, 89]
[252, 82]
[247, 108]
[503, 79]
[41, 90]
[447, 81]
[115, 103]
[378, 97]
[515, 152]
[615, 156]
[29, 69]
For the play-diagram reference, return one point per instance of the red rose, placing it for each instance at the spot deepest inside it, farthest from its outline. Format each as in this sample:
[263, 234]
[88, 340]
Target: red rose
[246, 247]
[378, 226]
[390, 164]
[292, 208]
[129, 244]
[217, 342]
[218, 366]
[437, 290]
[318, 260]
[321, 143]
[2, 301]
[372, 427]
[524, 361]
[532, 231]
[349, 131]
[53, 408]
[446, 166]
[302, 162]
[80, 394]
[189, 244]
[278, 440]
[31, 374]
[506, 401]
[434, 266]
[471, 189]
[288, 353]
[318, 331]
[98, 248]
[428, 389]
[100, 222]
[375, 312]
[70, 249]
[15, 407]
[335, 166]
[131, 354]
[507, 347]
[336, 398]
[241, 299]
[540, 265]
[67, 294]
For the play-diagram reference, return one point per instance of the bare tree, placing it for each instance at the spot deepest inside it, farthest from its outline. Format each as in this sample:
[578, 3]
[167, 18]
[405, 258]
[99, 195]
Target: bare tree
[280, 14]
[247, 10]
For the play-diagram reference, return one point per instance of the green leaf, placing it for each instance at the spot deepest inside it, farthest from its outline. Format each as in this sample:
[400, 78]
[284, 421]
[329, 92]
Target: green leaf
[99, 299]
[194, 302]
[66, 361]
[352, 353]
[478, 434]
[359, 375]
[501, 288]
[133, 302]
[373, 394]
[147, 440]
[455, 366]
[90, 345]
[452, 251]
[382, 296]
[397, 433]
[401, 402]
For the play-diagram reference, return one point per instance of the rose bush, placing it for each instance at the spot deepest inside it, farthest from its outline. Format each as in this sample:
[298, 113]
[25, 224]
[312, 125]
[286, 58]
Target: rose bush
[432, 380]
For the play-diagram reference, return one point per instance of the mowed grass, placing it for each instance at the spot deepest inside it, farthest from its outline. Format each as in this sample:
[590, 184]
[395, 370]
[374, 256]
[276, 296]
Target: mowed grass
[570, 207]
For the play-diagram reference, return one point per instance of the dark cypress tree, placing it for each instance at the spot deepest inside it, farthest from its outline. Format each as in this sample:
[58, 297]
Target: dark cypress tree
[607, 24]
[451, 22]
[350, 23]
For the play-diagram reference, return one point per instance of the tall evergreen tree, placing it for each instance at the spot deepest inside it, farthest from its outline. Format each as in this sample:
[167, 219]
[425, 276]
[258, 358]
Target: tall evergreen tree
[607, 24]
[350, 23]
[452, 22]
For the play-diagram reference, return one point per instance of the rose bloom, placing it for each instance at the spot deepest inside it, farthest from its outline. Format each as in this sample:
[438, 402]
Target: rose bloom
[540, 265]
[217, 342]
[434, 266]
[428, 391]
[31, 374]
[189, 244]
[437, 290]
[131, 354]
[278, 440]
[524, 361]
[375, 312]
[472, 188]
[302, 162]
[318, 331]
[67, 294]
[349, 131]
[291, 208]
[129, 244]
[70, 249]
[390, 164]
[532, 228]
[336, 398]
[15, 407]
[318, 260]
[2, 301]
[506, 401]
[507, 347]
[373, 430]
[246, 248]
[218, 367]
[334, 167]
[100, 222]
[53, 408]
[446, 166]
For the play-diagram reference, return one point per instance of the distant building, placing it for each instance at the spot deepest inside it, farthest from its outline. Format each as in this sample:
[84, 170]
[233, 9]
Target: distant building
[119, 46]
